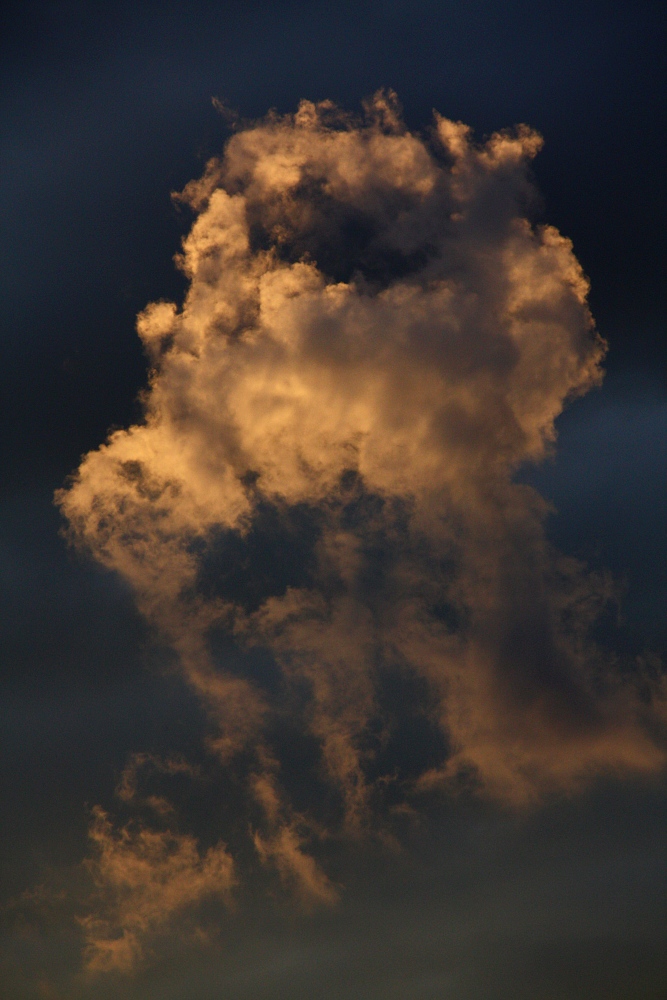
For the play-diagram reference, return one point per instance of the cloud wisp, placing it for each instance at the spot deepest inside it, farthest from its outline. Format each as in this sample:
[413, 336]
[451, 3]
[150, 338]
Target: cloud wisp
[146, 879]
[375, 338]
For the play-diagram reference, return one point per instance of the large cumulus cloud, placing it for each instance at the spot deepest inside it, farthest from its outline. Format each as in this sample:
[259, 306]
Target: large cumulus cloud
[374, 339]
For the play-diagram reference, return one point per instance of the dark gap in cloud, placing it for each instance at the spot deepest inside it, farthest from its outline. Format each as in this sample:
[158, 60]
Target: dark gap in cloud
[536, 668]
[276, 551]
[302, 772]
[254, 663]
[409, 739]
[345, 241]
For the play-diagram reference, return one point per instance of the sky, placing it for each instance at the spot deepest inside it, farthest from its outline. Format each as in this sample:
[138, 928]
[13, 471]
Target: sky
[332, 531]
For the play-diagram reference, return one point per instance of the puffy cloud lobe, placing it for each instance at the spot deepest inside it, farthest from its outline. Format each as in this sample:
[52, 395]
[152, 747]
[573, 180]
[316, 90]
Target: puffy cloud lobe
[374, 339]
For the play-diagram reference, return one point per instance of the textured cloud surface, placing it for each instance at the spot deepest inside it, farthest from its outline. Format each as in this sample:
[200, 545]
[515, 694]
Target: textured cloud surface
[147, 878]
[374, 339]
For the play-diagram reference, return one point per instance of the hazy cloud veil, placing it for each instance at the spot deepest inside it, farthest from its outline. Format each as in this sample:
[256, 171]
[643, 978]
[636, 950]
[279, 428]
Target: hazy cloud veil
[374, 339]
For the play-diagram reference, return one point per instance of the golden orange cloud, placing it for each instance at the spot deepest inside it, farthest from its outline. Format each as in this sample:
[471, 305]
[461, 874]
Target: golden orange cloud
[146, 878]
[374, 339]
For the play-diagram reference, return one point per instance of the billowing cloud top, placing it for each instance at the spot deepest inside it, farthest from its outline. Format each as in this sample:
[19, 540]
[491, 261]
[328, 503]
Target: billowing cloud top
[374, 339]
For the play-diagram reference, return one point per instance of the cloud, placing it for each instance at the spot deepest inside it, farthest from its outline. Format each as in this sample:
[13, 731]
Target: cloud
[146, 878]
[128, 788]
[374, 339]
[283, 842]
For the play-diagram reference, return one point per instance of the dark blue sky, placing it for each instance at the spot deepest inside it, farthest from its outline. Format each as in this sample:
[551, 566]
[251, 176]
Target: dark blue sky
[104, 111]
